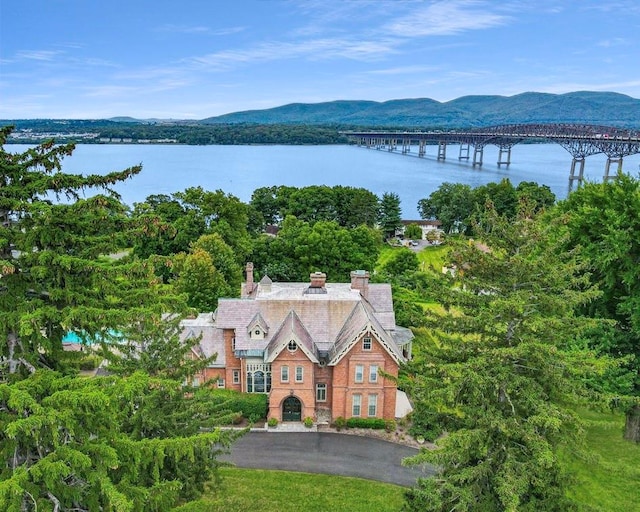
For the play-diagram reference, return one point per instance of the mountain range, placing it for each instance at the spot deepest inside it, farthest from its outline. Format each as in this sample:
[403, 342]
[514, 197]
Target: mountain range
[605, 108]
[582, 107]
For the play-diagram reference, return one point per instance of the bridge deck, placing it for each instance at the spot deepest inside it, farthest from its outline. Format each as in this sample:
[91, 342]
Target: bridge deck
[580, 140]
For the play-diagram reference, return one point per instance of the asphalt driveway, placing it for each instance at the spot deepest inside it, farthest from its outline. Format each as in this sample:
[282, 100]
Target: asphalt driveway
[329, 453]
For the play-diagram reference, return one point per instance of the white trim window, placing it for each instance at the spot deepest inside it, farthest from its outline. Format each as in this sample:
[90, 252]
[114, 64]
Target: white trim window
[236, 376]
[321, 392]
[359, 376]
[373, 373]
[284, 374]
[372, 408]
[366, 343]
[220, 382]
[356, 405]
[299, 373]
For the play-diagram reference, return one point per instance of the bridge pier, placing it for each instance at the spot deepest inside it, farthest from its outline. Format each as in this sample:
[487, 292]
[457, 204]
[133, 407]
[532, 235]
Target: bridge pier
[504, 151]
[607, 167]
[406, 146]
[422, 148]
[572, 174]
[442, 151]
[478, 153]
[464, 152]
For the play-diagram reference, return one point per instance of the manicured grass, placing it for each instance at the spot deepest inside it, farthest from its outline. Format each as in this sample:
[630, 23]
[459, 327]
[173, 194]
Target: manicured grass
[386, 252]
[433, 257]
[610, 480]
[276, 491]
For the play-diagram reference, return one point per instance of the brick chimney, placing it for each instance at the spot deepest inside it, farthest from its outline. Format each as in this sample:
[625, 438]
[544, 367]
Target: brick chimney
[318, 279]
[249, 285]
[360, 281]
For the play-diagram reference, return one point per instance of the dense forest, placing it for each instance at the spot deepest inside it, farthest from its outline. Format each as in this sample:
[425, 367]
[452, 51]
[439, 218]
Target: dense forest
[538, 313]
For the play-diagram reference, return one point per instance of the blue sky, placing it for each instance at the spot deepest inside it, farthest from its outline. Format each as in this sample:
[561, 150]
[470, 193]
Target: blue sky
[192, 59]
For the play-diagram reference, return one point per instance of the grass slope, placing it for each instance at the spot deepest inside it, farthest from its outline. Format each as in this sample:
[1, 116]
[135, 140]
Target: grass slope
[609, 479]
[277, 491]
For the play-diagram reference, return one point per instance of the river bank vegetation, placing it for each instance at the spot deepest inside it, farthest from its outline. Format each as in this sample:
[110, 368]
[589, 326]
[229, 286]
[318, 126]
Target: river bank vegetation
[525, 344]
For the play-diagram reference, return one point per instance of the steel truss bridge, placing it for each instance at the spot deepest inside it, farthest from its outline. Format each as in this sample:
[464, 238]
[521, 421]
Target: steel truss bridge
[580, 140]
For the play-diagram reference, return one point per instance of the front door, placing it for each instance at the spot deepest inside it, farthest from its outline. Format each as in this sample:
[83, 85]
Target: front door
[291, 409]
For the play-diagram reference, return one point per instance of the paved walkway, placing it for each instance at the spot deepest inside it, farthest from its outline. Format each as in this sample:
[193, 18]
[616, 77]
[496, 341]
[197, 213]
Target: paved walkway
[329, 453]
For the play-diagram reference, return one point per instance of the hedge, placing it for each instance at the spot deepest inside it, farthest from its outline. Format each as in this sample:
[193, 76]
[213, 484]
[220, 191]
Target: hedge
[373, 423]
[252, 406]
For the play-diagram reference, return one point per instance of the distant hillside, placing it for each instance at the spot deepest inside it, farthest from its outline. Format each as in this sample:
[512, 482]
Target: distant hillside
[606, 108]
[320, 123]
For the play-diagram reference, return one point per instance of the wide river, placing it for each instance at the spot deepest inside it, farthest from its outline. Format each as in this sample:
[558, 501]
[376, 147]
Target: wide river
[239, 170]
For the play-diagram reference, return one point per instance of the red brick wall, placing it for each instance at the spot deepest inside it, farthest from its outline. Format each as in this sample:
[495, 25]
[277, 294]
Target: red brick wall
[231, 361]
[345, 386]
[304, 391]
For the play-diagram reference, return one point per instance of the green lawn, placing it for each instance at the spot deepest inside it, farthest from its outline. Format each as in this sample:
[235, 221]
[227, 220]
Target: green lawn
[429, 257]
[433, 257]
[276, 491]
[610, 481]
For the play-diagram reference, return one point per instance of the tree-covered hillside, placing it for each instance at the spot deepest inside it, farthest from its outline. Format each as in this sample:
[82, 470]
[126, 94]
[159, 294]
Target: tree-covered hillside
[320, 123]
[469, 111]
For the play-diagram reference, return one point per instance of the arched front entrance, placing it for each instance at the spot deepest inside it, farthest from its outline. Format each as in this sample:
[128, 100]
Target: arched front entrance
[291, 409]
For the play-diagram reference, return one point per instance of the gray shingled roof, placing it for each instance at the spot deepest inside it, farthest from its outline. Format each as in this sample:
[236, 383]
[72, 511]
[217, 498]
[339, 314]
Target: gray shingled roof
[361, 320]
[291, 327]
[319, 321]
[212, 341]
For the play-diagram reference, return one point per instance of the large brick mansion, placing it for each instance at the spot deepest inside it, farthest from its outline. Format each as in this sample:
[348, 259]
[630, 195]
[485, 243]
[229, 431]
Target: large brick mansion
[318, 349]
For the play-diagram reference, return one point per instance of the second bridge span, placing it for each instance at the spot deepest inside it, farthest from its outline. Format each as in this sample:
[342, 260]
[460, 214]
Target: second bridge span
[580, 140]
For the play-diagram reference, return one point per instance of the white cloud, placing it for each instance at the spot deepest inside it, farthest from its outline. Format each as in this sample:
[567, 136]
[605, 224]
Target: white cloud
[403, 70]
[615, 41]
[199, 29]
[40, 55]
[312, 49]
[445, 18]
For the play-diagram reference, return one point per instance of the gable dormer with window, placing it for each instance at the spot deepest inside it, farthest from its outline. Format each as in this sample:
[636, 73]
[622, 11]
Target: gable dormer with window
[258, 328]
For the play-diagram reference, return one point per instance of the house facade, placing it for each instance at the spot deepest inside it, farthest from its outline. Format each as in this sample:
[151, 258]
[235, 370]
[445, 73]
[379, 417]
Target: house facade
[320, 350]
[426, 225]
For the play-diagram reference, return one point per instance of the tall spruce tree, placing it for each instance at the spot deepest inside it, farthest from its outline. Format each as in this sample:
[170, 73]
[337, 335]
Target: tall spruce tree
[499, 374]
[55, 276]
[390, 216]
[68, 443]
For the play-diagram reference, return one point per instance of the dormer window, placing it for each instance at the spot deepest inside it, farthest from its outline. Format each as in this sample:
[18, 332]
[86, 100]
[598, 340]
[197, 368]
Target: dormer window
[257, 328]
[257, 333]
[292, 346]
[366, 343]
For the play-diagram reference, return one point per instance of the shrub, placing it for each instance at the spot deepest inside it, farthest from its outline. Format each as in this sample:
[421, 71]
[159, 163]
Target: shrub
[339, 423]
[373, 423]
[272, 422]
[390, 425]
[428, 425]
[250, 405]
[308, 422]
[88, 363]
